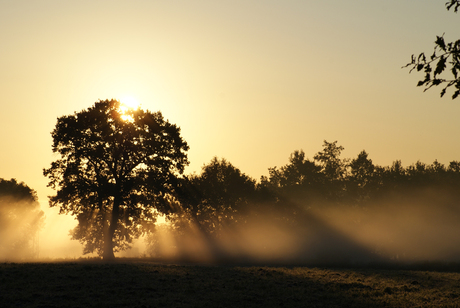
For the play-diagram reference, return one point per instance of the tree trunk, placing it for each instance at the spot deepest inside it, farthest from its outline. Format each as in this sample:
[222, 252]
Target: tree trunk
[108, 254]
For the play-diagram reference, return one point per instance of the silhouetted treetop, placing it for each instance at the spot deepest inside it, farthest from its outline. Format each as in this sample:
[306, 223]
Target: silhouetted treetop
[362, 169]
[329, 159]
[18, 191]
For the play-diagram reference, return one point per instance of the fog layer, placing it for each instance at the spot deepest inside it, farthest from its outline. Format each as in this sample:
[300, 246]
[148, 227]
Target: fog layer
[416, 227]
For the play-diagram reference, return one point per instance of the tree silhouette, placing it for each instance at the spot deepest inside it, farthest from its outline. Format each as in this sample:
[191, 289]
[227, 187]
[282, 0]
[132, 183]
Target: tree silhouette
[333, 168]
[329, 159]
[361, 180]
[117, 169]
[20, 220]
[299, 180]
[217, 195]
[446, 54]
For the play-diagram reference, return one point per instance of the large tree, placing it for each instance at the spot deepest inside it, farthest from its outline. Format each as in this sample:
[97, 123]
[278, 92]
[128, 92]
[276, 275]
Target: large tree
[446, 56]
[116, 170]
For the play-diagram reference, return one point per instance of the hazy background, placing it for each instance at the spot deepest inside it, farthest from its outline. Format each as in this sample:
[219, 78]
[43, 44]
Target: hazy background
[250, 81]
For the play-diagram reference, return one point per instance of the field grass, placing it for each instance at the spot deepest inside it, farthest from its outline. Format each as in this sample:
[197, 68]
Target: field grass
[137, 283]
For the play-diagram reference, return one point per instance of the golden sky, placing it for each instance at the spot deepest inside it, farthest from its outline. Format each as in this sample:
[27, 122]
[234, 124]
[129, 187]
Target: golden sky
[250, 81]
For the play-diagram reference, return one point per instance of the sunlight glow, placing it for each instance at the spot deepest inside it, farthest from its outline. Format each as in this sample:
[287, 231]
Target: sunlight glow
[127, 103]
[130, 102]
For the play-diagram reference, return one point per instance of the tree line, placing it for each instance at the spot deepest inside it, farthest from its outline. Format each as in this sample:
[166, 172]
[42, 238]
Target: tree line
[223, 195]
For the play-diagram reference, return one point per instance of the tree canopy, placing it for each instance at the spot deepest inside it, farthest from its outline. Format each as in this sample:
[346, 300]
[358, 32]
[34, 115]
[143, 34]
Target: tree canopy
[445, 57]
[115, 172]
[217, 195]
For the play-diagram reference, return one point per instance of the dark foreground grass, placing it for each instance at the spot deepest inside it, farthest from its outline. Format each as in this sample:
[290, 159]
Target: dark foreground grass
[148, 284]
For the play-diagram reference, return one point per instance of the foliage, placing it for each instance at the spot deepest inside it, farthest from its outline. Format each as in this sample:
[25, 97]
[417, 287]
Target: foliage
[308, 180]
[446, 56]
[218, 195]
[361, 180]
[20, 220]
[116, 170]
[329, 159]
[329, 179]
[299, 179]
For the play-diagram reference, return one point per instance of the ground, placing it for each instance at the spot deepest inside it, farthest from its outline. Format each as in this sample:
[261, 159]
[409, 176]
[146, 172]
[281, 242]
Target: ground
[139, 283]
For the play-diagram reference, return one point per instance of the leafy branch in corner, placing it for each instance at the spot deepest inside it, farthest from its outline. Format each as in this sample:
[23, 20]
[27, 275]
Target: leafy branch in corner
[444, 54]
[453, 3]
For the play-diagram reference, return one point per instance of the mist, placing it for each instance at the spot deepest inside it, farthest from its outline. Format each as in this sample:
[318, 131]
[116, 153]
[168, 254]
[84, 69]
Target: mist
[424, 226]
[55, 241]
[31, 232]
[420, 226]
[20, 222]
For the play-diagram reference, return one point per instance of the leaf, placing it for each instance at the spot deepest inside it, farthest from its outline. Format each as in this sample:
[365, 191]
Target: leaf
[427, 77]
[440, 66]
[440, 42]
[420, 67]
[443, 92]
[421, 57]
[427, 68]
[456, 93]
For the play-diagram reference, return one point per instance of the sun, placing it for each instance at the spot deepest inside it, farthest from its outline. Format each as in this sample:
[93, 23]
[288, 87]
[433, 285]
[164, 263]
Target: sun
[128, 103]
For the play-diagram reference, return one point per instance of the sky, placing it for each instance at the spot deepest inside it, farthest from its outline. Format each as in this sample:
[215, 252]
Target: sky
[250, 81]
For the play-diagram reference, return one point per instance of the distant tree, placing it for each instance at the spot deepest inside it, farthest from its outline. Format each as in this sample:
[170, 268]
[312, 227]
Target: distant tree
[422, 175]
[362, 169]
[454, 166]
[299, 180]
[217, 195]
[453, 174]
[117, 169]
[361, 178]
[333, 168]
[20, 220]
[393, 177]
[445, 55]
[417, 172]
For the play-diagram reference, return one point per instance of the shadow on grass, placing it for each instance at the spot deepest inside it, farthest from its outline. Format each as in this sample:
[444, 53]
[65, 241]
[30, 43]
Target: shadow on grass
[146, 284]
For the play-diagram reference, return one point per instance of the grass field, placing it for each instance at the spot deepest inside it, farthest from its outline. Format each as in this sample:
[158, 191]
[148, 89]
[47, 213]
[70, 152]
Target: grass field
[137, 283]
